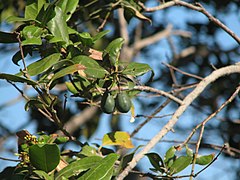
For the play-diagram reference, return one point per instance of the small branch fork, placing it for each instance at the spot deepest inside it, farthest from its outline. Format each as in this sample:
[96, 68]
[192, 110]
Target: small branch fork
[197, 7]
[185, 104]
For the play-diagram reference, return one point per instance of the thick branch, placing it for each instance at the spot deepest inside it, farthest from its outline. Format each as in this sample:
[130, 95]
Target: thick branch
[186, 102]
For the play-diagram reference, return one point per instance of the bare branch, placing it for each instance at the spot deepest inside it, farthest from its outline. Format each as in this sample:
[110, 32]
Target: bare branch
[186, 103]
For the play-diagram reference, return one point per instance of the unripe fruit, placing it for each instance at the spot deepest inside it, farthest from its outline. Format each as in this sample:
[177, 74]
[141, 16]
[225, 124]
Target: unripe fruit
[123, 102]
[107, 103]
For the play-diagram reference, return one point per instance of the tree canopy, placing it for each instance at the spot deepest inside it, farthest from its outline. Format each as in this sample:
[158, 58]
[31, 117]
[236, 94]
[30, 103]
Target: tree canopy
[141, 64]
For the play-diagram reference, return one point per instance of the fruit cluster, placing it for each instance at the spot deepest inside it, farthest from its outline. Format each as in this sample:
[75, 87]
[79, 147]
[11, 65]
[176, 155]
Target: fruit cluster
[122, 102]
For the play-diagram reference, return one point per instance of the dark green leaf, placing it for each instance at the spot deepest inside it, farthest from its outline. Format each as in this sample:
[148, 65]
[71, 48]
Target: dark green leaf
[125, 160]
[86, 38]
[103, 170]
[78, 166]
[61, 140]
[93, 69]
[42, 65]
[137, 14]
[8, 37]
[34, 103]
[42, 175]
[46, 13]
[68, 70]
[170, 156]
[204, 160]
[44, 157]
[136, 69]
[68, 7]
[58, 27]
[113, 50]
[179, 164]
[156, 161]
[17, 56]
[15, 78]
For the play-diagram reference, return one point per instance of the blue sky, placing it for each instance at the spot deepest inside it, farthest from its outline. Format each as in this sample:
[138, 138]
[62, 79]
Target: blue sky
[15, 116]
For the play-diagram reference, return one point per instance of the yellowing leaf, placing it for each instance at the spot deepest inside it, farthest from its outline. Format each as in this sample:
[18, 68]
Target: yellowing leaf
[117, 138]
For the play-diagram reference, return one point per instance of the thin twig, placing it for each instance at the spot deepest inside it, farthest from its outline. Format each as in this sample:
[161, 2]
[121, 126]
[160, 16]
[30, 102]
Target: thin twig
[182, 72]
[210, 162]
[186, 103]
[7, 159]
[160, 108]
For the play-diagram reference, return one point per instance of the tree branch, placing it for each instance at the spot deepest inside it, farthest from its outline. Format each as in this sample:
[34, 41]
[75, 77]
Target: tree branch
[186, 102]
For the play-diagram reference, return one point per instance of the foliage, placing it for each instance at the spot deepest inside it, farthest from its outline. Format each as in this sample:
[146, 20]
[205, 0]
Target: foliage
[89, 63]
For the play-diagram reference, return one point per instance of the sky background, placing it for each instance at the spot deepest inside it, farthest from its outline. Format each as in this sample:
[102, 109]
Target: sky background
[14, 116]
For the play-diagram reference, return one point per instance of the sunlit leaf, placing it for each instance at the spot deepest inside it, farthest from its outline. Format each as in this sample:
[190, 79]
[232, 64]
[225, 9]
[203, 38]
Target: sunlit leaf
[68, 70]
[88, 151]
[170, 156]
[180, 164]
[44, 156]
[68, 7]
[204, 160]
[117, 138]
[58, 27]
[15, 78]
[93, 69]
[136, 69]
[42, 65]
[103, 170]
[78, 166]
[113, 50]
[32, 35]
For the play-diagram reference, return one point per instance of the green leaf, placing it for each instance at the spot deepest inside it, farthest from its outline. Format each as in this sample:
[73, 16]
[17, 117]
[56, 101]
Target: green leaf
[100, 35]
[137, 69]
[18, 56]
[68, 7]
[34, 103]
[180, 164]
[58, 27]
[12, 19]
[86, 38]
[78, 166]
[125, 160]
[31, 10]
[136, 13]
[204, 160]
[46, 13]
[103, 170]
[32, 35]
[189, 151]
[68, 70]
[117, 138]
[93, 69]
[156, 161]
[8, 37]
[42, 65]
[170, 156]
[44, 157]
[15, 78]
[113, 50]
[42, 175]
[88, 151]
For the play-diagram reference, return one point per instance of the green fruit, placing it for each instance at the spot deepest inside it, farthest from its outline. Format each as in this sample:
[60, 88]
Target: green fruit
[123, 102]
[107, 103]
